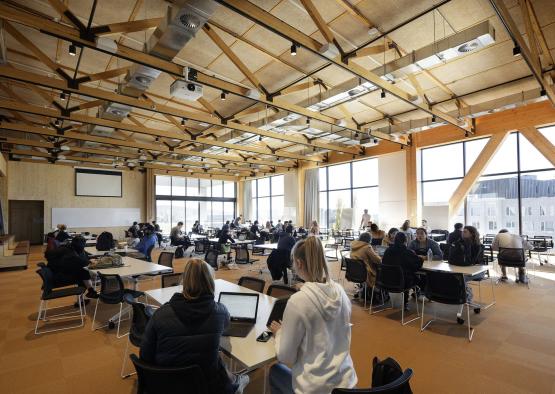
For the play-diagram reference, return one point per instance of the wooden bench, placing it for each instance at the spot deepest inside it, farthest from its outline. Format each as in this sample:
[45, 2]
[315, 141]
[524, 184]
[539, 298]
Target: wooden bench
[13, 254]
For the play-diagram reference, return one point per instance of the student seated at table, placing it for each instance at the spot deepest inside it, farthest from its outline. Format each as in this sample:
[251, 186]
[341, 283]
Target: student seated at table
[67, 264]
[504, 239]
[157, 231]
[407, 230]
[62, 235]
[177, 238]
[237, 222]
[389, 238]
[377, 234]
[361, 250]
[196, 227]
[148, 240]
[187, 331]
[456, 234]
[226, 226]
[422, 244]
[133, 231]
[401, 256]
[314, 337]
[255, 231]
[468, 250]
[314, 228]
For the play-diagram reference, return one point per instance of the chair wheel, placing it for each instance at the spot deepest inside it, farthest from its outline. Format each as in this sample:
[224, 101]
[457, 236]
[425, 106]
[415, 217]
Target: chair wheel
[460, 321]
[477, 310]
[111, 325]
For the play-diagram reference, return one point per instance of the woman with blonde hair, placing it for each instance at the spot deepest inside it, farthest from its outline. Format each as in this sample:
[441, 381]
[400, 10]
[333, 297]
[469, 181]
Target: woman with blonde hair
[314, 337]
[187, 330]
[314, 229]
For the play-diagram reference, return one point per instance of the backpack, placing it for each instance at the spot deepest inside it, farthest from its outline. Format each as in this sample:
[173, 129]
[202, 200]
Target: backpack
[107, 261]
[179, 252]
[387, 371]
[105, 241]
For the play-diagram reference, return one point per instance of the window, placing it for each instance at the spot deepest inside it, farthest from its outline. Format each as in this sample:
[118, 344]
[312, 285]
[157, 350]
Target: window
[346, 190]
[509, 211]
[542, 211]
[546, 226]
[180, 199]
[491, 211]
[492, 225]
[510, 225]
[476, 224]
[268, 202]
[474, 211]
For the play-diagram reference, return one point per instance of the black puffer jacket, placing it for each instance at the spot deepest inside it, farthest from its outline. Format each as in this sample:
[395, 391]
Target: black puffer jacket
[405, 258]
[187, 332]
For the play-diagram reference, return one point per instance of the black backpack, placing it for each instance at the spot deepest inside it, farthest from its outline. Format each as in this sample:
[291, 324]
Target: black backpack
[105, 241]
[179, 252]
[387, 371]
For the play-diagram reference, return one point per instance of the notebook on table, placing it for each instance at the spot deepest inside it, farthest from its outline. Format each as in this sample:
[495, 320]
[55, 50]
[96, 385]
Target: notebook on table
[243, 309]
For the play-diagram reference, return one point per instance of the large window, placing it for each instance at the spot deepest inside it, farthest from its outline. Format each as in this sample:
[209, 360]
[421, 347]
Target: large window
[268, 199]
[346, 190]
[515, 191]
[186, 200]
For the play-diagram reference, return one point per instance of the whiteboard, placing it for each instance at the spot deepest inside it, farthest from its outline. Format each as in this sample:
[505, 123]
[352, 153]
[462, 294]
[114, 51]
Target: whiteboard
[100, 183]
[95, 217]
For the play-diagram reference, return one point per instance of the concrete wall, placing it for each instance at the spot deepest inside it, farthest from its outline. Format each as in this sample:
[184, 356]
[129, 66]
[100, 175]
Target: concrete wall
[393, 190]
[291, 196]
[55, 185]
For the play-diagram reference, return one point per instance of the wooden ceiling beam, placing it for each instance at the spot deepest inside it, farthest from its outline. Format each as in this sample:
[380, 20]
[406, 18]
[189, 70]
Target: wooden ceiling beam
[126, 27]
[320, 23]
[276, 25]
[540, 142]
[539, 34]
[104, 75]
[62, 9]
[355, 12]
[67, 33]
[373, 50]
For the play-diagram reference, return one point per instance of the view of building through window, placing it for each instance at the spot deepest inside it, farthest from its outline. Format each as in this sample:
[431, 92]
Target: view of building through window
[190, 199]
[268, 199]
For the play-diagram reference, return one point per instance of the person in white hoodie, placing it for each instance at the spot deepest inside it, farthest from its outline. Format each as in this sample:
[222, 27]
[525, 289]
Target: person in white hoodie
[314, 337]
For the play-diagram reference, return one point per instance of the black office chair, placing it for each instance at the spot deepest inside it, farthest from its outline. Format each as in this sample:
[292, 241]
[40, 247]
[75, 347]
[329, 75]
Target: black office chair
[446, 288]
[445, 248]
[356, 272]
[168, 380]
[542, 244]
[166, 259]
[242, 255]
[149, 253]
[141, 315]
[280, 291]
[112, 292]
[170, 280]
[49, 293]
[398, 386]
[391, 279]
[211, 257]
[252, 283]
[513, 257]
[201, 246]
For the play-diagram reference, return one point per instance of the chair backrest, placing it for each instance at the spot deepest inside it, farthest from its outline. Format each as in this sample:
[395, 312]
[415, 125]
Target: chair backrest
[170, 280]
[242, 254]
[47, 277]
[149, 253]
[398, 386]
[139, 321]
[488, 239]
[355, 271]
[111, 288]
[445, 287]
[390, 278]
[252, 283]
[511, 257]
[280, 291]
[166, 259]
[211, 257]
[242, 237]
[200, 246]
[168, 380]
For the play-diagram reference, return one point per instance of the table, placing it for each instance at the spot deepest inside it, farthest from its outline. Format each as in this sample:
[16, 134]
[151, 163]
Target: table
[438, 237]
[237, 241]
[470, 270]
[247, 351]
[266, 246]
[95, 253]
[90, 242]
[197, 237]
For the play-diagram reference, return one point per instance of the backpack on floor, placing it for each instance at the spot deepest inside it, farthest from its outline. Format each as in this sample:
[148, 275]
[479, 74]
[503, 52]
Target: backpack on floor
[385, 372]
[179, 252]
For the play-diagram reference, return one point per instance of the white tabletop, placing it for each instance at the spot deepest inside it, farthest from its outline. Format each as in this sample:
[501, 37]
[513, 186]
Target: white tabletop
[90, 242]
[197, 236]
[246, 350]
[265, 246]
[469, 270]
[93, 252]
[133, 267]
[238, 242]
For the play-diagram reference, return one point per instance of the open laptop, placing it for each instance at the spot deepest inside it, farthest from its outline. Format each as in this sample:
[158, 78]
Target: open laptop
[242, 308]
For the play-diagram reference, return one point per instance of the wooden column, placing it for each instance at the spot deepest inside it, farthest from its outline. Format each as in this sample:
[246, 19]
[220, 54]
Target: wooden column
[150, 199]
[475, 171]
[240, 205]
[540, 143]
[414, 206]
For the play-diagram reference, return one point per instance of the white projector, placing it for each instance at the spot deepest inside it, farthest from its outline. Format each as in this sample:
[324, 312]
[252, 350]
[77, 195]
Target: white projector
[186, 90]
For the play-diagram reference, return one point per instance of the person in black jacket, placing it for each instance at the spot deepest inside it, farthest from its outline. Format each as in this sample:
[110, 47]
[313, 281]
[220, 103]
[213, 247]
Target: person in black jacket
[255, 231]
[456, 234]
[399, 255]
[468, 250]
[286, 240]
[187, 331]
[67, 264]
[62, 235]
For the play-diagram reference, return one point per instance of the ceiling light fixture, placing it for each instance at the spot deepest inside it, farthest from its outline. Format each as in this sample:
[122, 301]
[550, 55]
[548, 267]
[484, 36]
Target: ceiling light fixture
[293, 49]
[516, 50]
[434, 118]
[382, 94]
[72, 50]
[57, 123]
[260, 138]
[63, 96]
[222, 95]
[183, 120]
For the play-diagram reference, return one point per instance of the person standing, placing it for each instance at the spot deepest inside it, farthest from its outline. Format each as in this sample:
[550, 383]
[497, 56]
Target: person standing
[456, 234]
[365, 219]
[504, 239]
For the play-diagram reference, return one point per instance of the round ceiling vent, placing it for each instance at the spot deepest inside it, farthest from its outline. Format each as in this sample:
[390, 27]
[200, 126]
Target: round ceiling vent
[190, 21]
[468, 47]
[143, 80]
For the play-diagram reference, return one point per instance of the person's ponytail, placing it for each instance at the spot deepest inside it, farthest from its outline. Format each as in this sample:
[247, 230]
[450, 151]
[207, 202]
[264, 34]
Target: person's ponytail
[311, 252]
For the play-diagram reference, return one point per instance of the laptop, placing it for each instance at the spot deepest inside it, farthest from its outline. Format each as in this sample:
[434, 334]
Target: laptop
[380, 249]
[242, 308]
[277, 311]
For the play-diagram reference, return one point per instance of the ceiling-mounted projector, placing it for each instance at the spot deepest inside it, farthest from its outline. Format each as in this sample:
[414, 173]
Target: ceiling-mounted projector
[186, 90]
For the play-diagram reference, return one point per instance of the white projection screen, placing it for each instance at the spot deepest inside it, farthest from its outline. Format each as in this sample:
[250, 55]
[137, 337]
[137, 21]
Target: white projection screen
[98, 183]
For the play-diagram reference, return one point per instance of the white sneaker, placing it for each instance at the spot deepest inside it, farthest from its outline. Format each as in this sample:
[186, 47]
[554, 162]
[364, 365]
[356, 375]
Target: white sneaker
[242, 380]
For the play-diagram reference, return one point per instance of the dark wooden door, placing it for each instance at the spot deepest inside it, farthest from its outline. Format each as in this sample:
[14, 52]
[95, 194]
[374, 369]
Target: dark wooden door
[26, 220]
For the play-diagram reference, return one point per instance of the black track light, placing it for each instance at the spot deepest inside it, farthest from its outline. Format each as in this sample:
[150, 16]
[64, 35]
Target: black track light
[63, 96]
[260, 138]
[382, 94]
[434, 118]
[293, 49]
[72, 50]
[356, 135]
[222, 96]
[308, 121]
[227, 150]
[57, 123]
[516, 50]
[183, 122]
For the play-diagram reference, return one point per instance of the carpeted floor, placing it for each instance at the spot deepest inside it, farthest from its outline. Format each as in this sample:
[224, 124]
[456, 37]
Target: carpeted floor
[513, 350]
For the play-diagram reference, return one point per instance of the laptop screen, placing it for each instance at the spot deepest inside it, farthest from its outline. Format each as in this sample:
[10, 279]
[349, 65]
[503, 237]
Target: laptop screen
[240, 305]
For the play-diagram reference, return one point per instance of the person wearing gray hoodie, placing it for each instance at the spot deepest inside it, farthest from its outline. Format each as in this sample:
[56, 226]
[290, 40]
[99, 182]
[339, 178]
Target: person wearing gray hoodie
[314, 337]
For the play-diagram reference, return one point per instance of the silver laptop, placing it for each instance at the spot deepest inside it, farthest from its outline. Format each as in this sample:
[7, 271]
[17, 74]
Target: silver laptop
[243, 309]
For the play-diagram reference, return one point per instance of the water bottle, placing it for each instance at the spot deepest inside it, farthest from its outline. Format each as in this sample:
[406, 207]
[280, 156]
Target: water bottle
[430, 255]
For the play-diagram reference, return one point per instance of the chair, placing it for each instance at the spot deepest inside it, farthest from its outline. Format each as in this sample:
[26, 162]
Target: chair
[446, 288]
[242, 255]
[168, 380]
[141, 316]
[512, 257]
[112, 292]
[337, 244]
[356, 272]
[252, 283]
[170, 280]
[211, 258]
[445, 248]
[391, 278]
[242, 237]
[49, 293]
[542, 244]
[149, 253]
[280, 291]
[166, 259]
[398, 386]
[200, 246]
